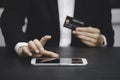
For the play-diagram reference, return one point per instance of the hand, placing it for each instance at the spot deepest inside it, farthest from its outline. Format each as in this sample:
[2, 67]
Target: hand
[89, 36]
[35, 48]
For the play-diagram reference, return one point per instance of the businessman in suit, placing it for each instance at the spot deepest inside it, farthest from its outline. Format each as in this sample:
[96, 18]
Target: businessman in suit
[45, 22]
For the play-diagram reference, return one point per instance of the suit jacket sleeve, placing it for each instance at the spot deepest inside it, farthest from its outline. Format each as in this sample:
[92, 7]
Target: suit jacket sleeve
[106, 28]
[97, 13]
[12, 20]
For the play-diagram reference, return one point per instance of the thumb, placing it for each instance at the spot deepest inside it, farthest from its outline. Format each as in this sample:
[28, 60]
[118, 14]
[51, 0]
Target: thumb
[45, 39]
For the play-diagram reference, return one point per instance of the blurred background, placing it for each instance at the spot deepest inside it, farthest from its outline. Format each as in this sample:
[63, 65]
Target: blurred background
[115, 4]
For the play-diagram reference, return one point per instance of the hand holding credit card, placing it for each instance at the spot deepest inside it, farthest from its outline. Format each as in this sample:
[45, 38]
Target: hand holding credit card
[72, 23]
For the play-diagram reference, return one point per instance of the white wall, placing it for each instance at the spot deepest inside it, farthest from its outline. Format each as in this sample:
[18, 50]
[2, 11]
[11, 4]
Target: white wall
[116, 25]
[1, 37]
[117, 35]
[115, 21]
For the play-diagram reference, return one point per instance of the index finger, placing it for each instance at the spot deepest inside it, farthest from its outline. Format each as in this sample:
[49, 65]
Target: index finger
[88, 29]
[50, 54]
[45, 39]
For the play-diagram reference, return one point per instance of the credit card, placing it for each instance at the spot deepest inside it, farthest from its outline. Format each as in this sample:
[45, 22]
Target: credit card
[72, 23]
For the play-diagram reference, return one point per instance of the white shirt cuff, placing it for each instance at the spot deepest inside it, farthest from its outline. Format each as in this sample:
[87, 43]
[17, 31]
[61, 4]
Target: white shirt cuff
[18, 45]
[105, 41]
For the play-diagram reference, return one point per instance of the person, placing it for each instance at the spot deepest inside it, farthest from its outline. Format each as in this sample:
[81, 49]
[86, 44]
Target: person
[45, 22]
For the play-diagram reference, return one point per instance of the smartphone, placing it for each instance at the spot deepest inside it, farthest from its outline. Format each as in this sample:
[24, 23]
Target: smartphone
[59, 61]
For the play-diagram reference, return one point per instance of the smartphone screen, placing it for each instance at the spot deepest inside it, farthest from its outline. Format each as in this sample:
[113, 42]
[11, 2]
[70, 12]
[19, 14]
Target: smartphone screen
[77, 61]
[59, 61]
[47, 60]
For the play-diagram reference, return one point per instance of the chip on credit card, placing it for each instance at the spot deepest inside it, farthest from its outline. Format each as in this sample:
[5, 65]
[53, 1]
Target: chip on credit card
[72, 23]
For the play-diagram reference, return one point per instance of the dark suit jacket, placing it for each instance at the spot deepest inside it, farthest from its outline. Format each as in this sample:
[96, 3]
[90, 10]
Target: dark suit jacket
[43, 19]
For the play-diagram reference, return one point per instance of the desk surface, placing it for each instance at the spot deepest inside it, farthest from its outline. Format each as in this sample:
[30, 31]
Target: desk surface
[103, 64]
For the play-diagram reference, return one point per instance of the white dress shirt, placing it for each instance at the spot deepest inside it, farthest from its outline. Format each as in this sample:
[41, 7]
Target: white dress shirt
[65, 8]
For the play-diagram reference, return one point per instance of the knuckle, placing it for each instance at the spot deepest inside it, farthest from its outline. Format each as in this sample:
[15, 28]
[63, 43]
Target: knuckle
[24, 47]
[98, 30]
[30, 42]
[35, 40]
[31, 45]
[97, 35]
[89, 27]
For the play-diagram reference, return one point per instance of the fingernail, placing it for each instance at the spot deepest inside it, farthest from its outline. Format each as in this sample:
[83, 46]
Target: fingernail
[48, 35]
[56, 56]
